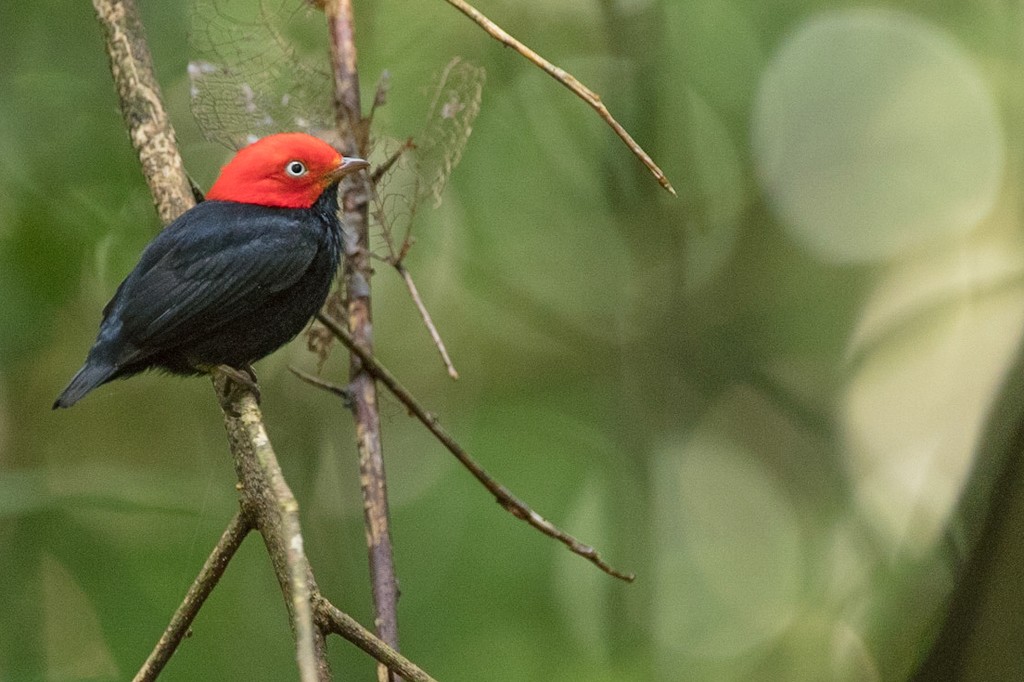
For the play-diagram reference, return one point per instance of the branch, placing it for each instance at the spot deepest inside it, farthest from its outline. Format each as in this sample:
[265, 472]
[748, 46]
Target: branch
[266, 496]
[267, 499]
[569, 81]
[396, 259]
[330, 387]
[142, 107]
[196, 596]
[383, 169]
[427, 320]
[357, 269]
[333, 620]
[503, 495]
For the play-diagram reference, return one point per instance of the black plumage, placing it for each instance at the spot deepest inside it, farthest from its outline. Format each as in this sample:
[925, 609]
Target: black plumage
[225, 284]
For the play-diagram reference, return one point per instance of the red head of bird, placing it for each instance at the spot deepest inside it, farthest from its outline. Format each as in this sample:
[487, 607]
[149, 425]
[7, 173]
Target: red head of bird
[287, 170]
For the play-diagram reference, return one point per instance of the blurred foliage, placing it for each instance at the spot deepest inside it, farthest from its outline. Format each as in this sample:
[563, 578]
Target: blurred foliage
[788, 399]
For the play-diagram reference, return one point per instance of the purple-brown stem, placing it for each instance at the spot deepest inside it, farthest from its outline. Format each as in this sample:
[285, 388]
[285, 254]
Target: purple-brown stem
[357, 271]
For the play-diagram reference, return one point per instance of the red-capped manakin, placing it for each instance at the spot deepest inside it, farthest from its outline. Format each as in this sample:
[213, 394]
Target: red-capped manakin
[235, 277]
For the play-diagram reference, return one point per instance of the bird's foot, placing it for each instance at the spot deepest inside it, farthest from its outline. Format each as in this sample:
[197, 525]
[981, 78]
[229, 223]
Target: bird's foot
[244, 378]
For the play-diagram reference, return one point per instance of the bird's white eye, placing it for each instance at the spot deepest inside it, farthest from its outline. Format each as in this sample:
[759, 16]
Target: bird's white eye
[296, 169]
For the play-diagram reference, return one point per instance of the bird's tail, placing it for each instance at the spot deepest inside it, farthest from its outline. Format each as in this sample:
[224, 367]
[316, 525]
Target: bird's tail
[88, 378]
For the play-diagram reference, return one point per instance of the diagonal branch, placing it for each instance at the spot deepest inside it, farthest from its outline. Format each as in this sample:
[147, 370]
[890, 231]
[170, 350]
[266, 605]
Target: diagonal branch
[569, 81]
[269, 502]
[152, 135]
[503, 495]
[142, 107]
[196, 596]
[427, 319]
[331, 619]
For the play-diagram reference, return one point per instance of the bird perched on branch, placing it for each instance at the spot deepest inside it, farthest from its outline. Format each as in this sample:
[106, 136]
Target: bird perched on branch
[235, 277]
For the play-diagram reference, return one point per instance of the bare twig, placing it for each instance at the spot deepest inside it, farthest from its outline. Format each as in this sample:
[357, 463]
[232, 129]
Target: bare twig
[380, 96]
[196, 596]
[414, 292]
[566, 79]
[330, 387]
[357, 269]
[503, 495]
[336, 621]
[381, 170]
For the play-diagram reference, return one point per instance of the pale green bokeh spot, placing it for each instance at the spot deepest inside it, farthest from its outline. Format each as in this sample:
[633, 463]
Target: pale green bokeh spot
[874, 132]
[730, 570]
[930, 357]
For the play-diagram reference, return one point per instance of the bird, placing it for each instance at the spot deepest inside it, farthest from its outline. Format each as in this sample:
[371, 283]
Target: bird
[235, 277]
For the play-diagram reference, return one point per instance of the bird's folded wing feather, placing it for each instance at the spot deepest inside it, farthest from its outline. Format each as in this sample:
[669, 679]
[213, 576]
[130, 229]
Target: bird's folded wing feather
[215, 263]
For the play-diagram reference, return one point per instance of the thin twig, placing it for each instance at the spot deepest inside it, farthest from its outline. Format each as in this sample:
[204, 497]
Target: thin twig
[331, 387]
[503, 495]
[566, 79]
[380, 96]
[357, 271]
[340, 623]
[434, 334]
[381, 170]
[196, 596]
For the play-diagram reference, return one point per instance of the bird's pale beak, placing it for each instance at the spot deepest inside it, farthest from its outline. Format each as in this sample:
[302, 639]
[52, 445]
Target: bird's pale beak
[349, 164]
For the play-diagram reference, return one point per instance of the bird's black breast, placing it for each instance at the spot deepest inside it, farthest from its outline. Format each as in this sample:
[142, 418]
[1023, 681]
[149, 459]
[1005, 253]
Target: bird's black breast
[226, 283]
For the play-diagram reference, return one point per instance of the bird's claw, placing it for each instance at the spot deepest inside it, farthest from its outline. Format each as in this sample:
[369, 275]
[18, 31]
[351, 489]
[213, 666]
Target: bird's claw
[241, 379]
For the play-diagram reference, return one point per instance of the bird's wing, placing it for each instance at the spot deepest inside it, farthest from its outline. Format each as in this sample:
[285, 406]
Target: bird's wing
[218, 261]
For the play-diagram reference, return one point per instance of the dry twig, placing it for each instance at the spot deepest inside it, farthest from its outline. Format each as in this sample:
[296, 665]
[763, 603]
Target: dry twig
[196, 596]
[396, 259]
[566, 79]
[332, 619]
[384, 168]
[503, 495]
[427, 320]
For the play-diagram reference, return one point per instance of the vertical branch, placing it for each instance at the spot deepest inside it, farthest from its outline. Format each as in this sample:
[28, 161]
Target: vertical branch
[357, 272]
[348, 113]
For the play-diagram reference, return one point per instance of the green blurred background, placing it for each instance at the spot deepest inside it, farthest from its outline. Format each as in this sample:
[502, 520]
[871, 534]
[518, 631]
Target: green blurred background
[787, 399]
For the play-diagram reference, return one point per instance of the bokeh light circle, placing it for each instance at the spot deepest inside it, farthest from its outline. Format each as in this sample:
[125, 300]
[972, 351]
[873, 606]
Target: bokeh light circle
[874, 132]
